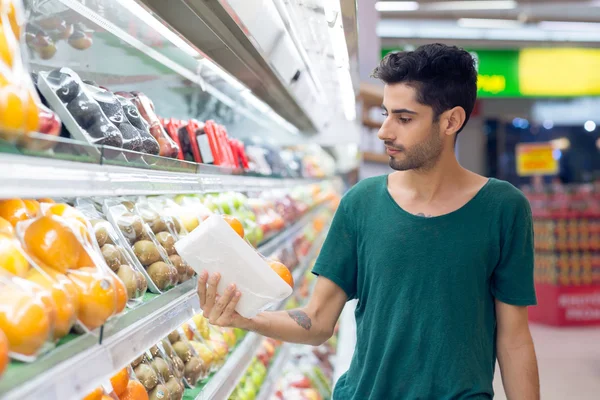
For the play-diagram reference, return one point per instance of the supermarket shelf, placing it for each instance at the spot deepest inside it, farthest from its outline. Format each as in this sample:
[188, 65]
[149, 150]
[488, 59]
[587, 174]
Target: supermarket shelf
[273, 244]
[275, 371]
[83, 364]
[32, 177]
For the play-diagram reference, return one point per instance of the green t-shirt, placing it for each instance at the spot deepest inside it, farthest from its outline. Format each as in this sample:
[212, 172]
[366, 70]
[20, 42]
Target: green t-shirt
[425, 319]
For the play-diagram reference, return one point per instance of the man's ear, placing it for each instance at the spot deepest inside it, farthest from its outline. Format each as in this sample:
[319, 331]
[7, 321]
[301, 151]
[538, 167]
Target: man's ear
[454, 119]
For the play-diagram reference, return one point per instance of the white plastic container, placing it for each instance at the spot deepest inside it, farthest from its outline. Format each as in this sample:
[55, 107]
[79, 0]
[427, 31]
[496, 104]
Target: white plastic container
[215, 247]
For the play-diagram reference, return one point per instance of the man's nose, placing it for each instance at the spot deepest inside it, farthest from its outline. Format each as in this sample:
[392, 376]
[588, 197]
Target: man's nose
[385, 133]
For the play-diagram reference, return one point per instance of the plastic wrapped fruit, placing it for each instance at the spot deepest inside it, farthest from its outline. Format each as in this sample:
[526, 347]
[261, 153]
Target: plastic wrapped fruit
[82, 107]
[23, 318]
[149, 144]
[97, 296]
[168, 148]
[132, 140]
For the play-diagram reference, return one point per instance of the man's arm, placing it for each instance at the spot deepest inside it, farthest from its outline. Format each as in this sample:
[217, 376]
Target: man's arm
[313, 324]
[516, 353]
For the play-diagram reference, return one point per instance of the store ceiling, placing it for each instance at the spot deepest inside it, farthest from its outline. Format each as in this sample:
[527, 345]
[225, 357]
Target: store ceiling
[490, 23]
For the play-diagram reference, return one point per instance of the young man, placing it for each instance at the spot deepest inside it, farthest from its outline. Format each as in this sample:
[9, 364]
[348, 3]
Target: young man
[439, 258]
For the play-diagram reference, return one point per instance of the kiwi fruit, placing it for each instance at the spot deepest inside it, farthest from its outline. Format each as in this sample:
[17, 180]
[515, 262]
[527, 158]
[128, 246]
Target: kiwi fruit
[145, 235]
[142, 284]
[138, 361]
[184, 271]
[154, 351]
[112, 256]
[175, 388]
[167, 241]
[146, 375]
[161, 367]
[129, 205]
[158, 225]
[101, 235]
[193, 370]
[179, 366]
[131, 226]
[129, 277]
[183, 351]
[146, 252]
[176, 224]
[173, 337]
[162, 274]
[160, 392]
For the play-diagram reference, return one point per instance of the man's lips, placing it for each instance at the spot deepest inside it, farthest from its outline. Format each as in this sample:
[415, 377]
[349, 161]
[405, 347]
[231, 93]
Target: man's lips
[391, 151]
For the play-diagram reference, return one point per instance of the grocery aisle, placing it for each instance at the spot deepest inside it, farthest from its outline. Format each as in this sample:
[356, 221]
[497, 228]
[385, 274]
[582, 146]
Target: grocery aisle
[569, 363]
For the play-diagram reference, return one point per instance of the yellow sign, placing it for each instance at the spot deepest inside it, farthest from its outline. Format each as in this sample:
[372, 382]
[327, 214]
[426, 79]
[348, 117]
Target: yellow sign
[536, 159]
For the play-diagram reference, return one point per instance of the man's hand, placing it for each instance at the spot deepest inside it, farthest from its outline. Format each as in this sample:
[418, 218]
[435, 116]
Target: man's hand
[313, 324]
[220, 310]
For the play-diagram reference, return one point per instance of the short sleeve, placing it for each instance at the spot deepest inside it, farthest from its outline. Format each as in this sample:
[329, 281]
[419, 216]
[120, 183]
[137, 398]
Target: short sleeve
[512, 279]
[337, 260]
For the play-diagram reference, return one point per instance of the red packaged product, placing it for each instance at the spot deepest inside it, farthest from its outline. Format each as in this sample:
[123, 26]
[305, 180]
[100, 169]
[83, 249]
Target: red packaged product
[224, 143]
[168, 148]
[189, 136]
[172, 126]
[210, 131]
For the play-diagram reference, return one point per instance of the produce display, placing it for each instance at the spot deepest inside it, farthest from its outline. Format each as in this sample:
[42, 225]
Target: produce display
[567, 259]
[44, 32]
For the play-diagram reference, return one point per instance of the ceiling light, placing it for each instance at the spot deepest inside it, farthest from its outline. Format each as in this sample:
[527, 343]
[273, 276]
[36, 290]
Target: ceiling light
[569, 26]
[548, 124]
[383, 6]
[489, 23]
[470, 5]
[589, 126]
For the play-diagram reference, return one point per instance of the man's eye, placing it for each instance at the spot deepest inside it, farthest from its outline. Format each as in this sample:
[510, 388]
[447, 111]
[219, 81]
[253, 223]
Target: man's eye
[384, 114]
[405, 120]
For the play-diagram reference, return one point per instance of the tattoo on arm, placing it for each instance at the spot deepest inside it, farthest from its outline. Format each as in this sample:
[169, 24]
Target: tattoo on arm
[301, 318]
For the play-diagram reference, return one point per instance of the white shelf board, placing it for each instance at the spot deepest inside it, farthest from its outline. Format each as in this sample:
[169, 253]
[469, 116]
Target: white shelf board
[34, 177]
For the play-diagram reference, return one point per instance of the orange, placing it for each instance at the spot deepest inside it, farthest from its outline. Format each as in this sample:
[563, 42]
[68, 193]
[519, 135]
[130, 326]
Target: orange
[33, 207]
[6, 228]
[51, 240]
[135, 391]
[75, 218]
[65, 308]
[235, 224]
[106, 397]
[24, 320]
[44, 295]
[96, 394]
[3, 352]
[121, 292]
[119, 381]
[7, 49]
[13, 210]
[45, 200]
[85, 260]
[189, 333]
[97, 296]
[12, 107]
[282, 271]
[11, 257]
[65, 283]
[15, 18]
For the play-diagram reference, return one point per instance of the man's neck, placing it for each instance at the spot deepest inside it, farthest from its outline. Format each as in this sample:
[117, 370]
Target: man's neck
[426, 184]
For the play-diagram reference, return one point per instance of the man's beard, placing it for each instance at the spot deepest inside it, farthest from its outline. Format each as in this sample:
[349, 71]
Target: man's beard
[422, 156]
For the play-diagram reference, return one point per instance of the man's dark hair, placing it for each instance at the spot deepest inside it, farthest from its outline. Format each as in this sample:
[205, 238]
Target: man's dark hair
[443, 76]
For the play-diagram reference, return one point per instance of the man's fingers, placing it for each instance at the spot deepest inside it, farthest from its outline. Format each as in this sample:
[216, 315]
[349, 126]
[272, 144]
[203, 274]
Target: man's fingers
[211, 293]
[229, 311]
[220, 305]
[202, 288]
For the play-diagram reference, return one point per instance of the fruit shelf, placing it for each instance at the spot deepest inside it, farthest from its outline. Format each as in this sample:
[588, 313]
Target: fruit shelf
[275, 369]
[76, 367]
[222, 384]
[33, 177]
[80, 362]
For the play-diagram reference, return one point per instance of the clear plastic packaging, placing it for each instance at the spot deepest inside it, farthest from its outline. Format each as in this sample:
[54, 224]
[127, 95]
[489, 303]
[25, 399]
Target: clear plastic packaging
[26, 317]
[73, 100]
[144, 247]
[112, 248]
[168, 148]
[150, 373]
[215, 247]
[172, 374]
[149, 144]
[61, 240]
[196, 369]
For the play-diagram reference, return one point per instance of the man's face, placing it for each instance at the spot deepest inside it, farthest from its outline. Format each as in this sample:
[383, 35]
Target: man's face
[412, 138]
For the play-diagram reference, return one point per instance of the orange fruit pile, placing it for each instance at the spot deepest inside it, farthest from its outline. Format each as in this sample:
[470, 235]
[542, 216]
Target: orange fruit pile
[235, 224]
[97, 296]
[120, 381]
[135, 391]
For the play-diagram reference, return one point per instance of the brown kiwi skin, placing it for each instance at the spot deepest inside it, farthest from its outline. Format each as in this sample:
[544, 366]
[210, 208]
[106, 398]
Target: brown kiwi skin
[147, 252]
[162, 274]
[129, 276]
[160, 392]
[183, 351]
[112, 256]
[167, 241]
[176, 388]
[138, 360]
[173, 337]
[146, 375]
